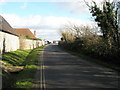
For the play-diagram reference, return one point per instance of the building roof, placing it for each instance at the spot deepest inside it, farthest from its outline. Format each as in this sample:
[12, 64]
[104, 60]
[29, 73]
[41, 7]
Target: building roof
[6, 27]
[25, 32]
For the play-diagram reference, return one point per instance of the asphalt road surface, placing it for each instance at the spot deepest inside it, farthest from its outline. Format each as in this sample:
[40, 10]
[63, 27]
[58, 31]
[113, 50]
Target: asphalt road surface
[59, 69]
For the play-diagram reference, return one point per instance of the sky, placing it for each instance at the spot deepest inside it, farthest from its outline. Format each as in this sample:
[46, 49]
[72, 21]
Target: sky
[45, 16]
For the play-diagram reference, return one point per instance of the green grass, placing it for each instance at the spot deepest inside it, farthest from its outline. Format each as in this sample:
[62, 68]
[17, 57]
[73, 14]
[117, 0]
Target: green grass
[15, 58]
[24, 78]
[32, 57]
[94, 60]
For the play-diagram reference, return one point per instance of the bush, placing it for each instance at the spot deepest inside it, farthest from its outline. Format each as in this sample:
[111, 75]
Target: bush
[90, 44]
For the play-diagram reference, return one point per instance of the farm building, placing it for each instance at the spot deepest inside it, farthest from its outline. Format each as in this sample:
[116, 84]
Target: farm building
[27, 39]
[12, 39]
[25, 32]
[9, 40]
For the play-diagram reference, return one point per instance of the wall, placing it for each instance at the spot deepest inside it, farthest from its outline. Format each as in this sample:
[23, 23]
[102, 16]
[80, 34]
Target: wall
[8, 42]
[30, 44]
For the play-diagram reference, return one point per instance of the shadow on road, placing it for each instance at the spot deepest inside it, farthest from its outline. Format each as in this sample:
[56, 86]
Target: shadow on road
[63, 70]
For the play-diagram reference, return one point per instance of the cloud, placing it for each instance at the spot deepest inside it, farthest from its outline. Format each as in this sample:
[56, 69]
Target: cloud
[46, 27]
[26, 21]
[78, 6]
[37, 21]
[2, 2]
[24, 5]
[48, 34]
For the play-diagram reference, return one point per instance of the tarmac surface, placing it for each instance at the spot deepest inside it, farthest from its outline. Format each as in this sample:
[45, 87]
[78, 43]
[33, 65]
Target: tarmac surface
[59, 69]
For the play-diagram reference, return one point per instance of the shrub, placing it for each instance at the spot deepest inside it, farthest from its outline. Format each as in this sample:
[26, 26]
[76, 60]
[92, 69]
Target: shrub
[85, 41]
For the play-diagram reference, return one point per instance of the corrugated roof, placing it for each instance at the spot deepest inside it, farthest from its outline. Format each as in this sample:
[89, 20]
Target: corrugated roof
[25, 32]
[5, 26]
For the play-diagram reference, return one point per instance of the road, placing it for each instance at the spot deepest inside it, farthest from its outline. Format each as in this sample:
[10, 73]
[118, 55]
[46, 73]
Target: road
[59, 69]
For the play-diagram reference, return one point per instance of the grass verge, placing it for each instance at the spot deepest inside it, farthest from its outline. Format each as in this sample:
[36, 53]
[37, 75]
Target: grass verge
[24, 78]
[15, 58]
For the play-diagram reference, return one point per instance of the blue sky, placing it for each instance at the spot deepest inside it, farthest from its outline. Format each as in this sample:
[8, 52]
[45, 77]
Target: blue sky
[41, 8]
[45, 17]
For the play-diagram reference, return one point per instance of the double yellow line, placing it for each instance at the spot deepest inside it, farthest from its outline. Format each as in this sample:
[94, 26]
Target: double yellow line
[42, 81]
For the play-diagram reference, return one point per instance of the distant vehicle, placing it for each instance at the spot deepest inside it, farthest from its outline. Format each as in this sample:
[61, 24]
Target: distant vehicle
[55, 42]
[47, 42]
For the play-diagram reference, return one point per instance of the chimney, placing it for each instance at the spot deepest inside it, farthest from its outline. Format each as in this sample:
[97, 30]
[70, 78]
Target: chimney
[34, 33]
